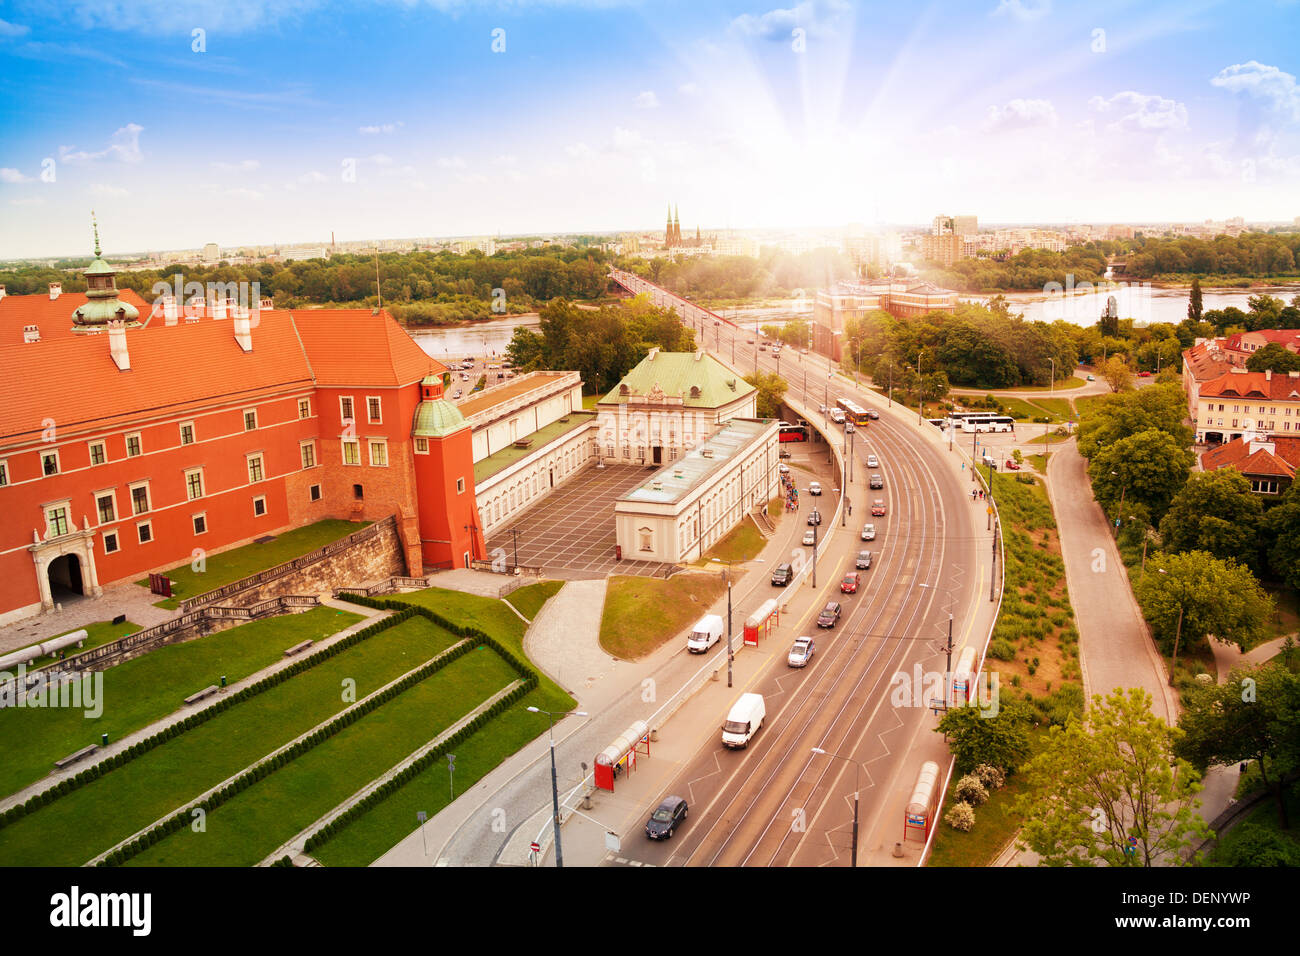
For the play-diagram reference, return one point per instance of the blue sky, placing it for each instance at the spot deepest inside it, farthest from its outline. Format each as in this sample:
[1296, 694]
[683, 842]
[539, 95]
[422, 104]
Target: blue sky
[390, 119]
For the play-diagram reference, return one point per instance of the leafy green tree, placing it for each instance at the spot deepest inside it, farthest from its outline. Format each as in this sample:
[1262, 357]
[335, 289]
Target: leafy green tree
[1185, 597]
[1215, 511]
[971, 357]
[1274, 357]
[1001, 740]
[1108, 790]
[1254, 716]
[1282, 537]
[1117, 373]
[1118, 416]
[1148, 468]
[771, 392]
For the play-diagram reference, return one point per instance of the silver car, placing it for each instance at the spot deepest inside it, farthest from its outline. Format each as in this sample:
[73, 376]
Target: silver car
[868, 532]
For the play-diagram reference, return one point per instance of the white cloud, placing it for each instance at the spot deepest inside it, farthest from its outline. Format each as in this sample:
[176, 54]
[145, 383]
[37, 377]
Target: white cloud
[106, 191]
[647, 100]
[123, 146]
[29, 201]
[580, 151]
[10, 175]
[817, 17]
[505, 160]
[1141, 111]
[451, 162]
[1018, 10]
[314, 176]
[242, 193]
[380, 128]
[243, 166]
[8, 29]
[689, 89]
[628, 139]
[1020, 114]
[168, 17]
[381, 159]
[1275, 87]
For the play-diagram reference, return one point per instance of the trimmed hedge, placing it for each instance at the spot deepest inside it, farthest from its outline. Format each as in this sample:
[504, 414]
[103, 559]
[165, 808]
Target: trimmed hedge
[193, 720]
[270, 764]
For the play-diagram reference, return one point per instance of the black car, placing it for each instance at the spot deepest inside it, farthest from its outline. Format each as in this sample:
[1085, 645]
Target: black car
[782, 575]
[830, 615]
[814, 517]
[664, 820]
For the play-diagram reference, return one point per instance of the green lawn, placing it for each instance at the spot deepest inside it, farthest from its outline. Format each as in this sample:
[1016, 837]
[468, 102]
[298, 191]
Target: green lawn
[641, 613]
[245, 829]
[139, 691]
[222, 569]
[529, 599]
[743, 543]
[92, 819]
[100, 632]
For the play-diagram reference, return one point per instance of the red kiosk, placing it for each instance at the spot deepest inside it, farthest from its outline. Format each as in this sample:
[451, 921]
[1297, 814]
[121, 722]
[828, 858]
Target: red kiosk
[620, 756]
[759, 624]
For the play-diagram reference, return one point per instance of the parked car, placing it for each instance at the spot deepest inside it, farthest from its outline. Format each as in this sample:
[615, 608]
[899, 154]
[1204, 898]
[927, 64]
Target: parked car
[809, 538]
[849, 585]
[1092, 378]
[873, 461]
[864, 560]
[830, 614]
[868, 532]
[782, 575]
[743, 721]
[1144, 374]
[877, 481]
[814, 517]
[1012, 465]
[801, 653]
[878, 508]
[666, 818]
[814, 488]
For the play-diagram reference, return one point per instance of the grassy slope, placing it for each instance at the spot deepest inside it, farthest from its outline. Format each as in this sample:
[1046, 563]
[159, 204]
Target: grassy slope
[140, 691]
[642, 613]
[92, 819]
[528, 600]
[221, 569]
[261, 818]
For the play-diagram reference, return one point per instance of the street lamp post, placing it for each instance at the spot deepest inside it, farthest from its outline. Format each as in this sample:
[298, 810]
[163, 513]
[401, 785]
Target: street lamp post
[920, 390]
[730, 654]
[857, 778]
[1051, 384]
[555, 784]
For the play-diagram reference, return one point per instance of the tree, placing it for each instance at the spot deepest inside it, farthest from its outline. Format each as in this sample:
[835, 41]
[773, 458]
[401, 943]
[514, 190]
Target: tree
[1148, 468]
[971, 357]
[1118, 416]
[1254, 716]
[1274, 357]
[1282, 537]
[1108, 790]
[1195, 308]
[1215, 511]
[1185, 597]
[1001, 740]
[1117, 373]
[771, 393]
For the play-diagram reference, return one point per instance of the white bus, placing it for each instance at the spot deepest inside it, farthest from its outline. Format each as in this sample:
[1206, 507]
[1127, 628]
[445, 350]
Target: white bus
[988, 423]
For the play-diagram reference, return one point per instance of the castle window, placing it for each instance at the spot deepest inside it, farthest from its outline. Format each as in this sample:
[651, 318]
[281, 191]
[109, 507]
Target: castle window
[259, 506]
[50, 463]
[250, 419]
[187, 433]
[200, 523]
[133, 447]
[97, 453]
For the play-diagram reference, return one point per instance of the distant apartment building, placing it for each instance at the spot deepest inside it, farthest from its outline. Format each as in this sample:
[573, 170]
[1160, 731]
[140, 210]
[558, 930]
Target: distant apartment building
[944, 249]
[736, 246]
[293, 253]
[845, 302]
[487, 246]
[959, 225]
[211, 252]
[1209, 359]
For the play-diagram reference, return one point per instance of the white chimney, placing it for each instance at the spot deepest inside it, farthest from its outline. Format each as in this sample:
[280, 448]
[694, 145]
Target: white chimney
[117, 345]
[266, 305]
[1268, 375]
[653, 352]
[31, 333]
[2, 292]
[56, 290]
[218, 310]
[244, 332]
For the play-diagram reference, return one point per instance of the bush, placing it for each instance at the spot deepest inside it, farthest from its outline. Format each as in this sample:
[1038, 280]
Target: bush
[992, 777]
[960, 817]
[970, 790]
[1002, 649]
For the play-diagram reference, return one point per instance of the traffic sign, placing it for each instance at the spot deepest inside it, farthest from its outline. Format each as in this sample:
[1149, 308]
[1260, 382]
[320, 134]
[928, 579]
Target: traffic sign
[535, 847]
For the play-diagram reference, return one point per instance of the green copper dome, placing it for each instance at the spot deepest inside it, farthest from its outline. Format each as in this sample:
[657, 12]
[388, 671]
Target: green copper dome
[100, 268]
[102, 304]
[437, 417]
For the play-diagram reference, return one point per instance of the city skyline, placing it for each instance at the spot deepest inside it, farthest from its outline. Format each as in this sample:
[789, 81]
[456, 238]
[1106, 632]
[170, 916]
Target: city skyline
[282, 121]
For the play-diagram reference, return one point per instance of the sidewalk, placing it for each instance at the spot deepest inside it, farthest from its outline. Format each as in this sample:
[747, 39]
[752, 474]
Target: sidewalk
[124, 597]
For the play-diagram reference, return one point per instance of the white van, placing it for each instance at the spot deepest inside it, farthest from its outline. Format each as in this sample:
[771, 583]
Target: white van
[706, 632]
[744, 720]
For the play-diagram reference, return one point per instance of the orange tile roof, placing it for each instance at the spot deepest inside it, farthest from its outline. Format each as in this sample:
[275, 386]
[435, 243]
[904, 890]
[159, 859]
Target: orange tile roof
[52, 316]
[1282, 462]
[1277, 388]
[357, 347]
[72, 380]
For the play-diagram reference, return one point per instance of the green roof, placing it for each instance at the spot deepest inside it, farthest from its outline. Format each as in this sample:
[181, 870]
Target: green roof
[676, 373]
[100, 268]
[502, 458]
[100, 311]
[437, 417]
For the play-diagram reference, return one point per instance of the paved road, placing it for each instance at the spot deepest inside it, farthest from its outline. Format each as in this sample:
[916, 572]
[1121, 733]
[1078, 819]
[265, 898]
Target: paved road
[1115, 648]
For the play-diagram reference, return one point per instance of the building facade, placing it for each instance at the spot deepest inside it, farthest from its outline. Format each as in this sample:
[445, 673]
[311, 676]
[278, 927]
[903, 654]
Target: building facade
[1239, 402]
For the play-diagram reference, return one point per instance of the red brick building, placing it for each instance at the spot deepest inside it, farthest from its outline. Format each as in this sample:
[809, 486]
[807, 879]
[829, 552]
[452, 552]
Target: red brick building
[131, 441]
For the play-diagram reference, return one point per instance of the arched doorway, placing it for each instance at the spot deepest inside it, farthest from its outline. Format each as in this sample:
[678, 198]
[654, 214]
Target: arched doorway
[65, 576]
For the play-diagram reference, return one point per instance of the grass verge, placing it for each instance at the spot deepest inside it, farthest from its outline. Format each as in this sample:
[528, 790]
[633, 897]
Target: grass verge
[529, 599]
[742, 543]
[643, 613]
